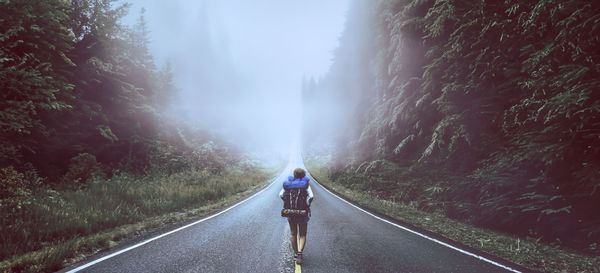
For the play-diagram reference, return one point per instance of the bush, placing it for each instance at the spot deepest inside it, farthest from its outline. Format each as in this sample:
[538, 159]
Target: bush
[13, 183]
[82, 168]
[17, 187]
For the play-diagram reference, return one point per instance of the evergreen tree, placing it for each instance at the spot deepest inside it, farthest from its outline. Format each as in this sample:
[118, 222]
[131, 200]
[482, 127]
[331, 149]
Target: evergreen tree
[34, 70]
[503, 95]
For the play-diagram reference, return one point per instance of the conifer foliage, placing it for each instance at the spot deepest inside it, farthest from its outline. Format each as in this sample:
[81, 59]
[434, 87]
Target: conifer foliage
[34, 66]
[500, 98]
[79, 86]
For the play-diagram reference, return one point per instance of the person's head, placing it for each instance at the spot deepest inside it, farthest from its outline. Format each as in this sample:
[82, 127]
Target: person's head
[299, 173]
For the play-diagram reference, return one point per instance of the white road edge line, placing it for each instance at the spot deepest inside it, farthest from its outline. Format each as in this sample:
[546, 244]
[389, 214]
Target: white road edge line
[423, 235]
[170, 232]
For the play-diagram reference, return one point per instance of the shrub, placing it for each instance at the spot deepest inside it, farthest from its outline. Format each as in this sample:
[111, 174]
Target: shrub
[17, 187]
[82, 168]
[13, 184]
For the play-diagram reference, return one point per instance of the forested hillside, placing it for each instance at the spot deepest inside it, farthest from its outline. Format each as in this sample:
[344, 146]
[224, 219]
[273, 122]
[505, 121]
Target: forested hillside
[91, 137]
[485, 111]
[82, 96]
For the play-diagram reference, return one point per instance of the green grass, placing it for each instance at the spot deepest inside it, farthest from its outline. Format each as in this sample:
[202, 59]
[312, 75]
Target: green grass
[527, 252]
[60, 227]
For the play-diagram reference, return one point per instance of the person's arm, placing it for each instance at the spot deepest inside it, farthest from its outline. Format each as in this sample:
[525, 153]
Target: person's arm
[281, 193]
[310, 196]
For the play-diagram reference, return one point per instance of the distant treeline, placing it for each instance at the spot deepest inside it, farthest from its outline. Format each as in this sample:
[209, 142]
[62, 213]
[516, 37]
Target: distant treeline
[82, 98]
[486, 111]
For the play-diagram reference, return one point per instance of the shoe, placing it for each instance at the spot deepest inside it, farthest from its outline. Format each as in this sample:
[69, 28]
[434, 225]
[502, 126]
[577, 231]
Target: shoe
[299, 258]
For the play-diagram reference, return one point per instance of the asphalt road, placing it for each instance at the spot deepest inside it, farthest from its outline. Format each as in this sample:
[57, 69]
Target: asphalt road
[253, 237]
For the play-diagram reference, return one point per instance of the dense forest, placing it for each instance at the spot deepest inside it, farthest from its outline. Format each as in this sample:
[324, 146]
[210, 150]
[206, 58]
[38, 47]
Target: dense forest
[82, 97]
[484, 111]
[91, 137]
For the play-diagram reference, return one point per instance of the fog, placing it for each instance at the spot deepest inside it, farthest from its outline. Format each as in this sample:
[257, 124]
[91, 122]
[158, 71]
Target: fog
[239, 64]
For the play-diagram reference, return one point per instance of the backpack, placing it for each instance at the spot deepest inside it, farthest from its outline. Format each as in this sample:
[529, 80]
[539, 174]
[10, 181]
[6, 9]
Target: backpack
[294, 197]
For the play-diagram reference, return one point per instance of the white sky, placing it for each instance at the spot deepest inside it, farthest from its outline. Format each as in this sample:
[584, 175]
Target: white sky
[250, 53]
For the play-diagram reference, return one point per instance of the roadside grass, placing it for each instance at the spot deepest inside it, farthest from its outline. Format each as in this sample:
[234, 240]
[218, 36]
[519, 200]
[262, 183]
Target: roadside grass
[61, 227]
[527, 252]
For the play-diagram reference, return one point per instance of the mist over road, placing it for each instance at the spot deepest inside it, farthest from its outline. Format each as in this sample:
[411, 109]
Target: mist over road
[252, 237]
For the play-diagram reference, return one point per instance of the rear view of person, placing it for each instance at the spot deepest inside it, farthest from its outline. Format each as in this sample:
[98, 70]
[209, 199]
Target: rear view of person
[297, 197]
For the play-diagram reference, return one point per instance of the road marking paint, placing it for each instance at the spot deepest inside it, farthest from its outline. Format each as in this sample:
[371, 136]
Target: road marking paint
[423, 235]
[298, 268]
[170, 232]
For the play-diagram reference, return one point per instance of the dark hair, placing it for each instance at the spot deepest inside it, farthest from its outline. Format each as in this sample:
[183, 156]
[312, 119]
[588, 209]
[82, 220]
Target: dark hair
[299, 173]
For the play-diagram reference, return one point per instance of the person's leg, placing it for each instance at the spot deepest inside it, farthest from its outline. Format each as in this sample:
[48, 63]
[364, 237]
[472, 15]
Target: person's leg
[294, 235]
[302, 227]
